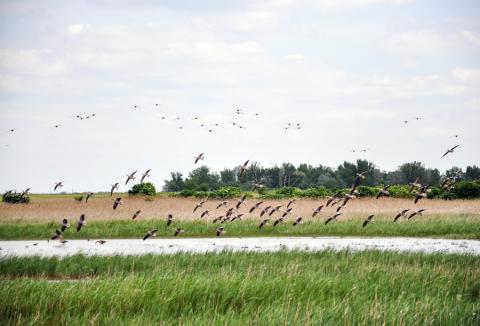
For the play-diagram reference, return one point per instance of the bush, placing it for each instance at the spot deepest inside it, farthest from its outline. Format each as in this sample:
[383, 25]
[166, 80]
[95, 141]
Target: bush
[187, 193]
[78, 198]
[466, 190]
[400, 191]
[367, 191]
[15, 198]
[318, 192]
[226, 193]
[146, 188]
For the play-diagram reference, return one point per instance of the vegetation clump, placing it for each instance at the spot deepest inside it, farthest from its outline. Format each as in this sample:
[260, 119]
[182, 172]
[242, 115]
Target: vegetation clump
[12, 197]
[144, 188]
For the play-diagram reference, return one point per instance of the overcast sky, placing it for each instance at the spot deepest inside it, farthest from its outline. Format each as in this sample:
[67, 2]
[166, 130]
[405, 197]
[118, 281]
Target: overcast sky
[350, 72]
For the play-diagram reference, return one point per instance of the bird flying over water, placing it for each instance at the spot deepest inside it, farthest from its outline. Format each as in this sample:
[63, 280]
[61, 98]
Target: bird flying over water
[178, 231]
[220, 231]
[64, 225]
[150, 233]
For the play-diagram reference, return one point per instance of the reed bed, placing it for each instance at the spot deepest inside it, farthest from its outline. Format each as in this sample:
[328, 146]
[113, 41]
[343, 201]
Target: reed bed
[297, 288]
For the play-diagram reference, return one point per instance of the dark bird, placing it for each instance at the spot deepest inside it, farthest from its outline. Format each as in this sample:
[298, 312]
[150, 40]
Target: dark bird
[25, 192]
[205, 213]
[136, 214]
[419, 212]
[333, 217]
[64, 225]
[331, 199]
[58, 185]
[100, 242]
[237, 217]
[367, 220]
[450, 150]
[199, 157]
[220, 230]
[57, 235]
[230, 211]
[216, 219]
[243, 168]
[291, 202]
[422, 193]
[415, 184]
[116, 202]
[347, 198]
[317, 210]
[114, 187]
[240, 202]
[145, 175]
[150, 233]
[199, 205]
[400, 214]
[275, 209]
[130, 176]
[263, 222]
[277, 221]
[178, 231]
[384, 192]
[170, 219]
[359, 177]
[264, 210]
[81, 222]
[288, 211]
[223, 203]
[298, 221]
[90, 194]
[340, 207]
[254, 207]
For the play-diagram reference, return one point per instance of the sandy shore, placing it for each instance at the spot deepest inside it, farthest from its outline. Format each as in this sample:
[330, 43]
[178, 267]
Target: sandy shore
[170, 246]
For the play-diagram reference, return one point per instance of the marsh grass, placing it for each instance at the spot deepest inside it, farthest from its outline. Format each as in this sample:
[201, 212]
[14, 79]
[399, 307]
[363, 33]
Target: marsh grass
[460, 227]
[297, 288]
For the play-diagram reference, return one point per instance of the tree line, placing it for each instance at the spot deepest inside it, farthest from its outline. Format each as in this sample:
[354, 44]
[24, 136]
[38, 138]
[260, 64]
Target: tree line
[306, 176]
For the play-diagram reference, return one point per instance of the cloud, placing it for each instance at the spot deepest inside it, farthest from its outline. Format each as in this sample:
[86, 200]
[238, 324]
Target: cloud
[295, 57]
[75, 28]
[466, 75]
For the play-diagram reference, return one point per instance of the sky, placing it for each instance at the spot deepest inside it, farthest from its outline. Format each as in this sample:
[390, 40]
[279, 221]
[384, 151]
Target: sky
[349, 72]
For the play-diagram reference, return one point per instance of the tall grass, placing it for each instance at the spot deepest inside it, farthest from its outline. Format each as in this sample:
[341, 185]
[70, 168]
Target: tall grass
[455, 228]
[296, 288]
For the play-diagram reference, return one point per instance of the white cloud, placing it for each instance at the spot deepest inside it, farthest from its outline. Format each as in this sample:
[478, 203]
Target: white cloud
[75, 28]
[295, 57]
[466, 75]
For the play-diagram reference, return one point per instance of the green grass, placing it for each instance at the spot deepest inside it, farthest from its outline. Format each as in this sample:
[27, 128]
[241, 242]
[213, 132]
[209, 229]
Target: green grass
[296, 288]
[458, 227]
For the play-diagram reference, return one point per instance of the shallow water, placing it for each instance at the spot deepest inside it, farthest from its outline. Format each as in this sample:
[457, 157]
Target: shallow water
[201, 245]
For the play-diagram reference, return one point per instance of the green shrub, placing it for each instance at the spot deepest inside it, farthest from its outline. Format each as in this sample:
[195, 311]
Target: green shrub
[226, 193]
[15, 198]
[318, 192]
[466, 190]
[78, 198]
[146, 188]
[187, 193]
[367, 191]
[400, 191]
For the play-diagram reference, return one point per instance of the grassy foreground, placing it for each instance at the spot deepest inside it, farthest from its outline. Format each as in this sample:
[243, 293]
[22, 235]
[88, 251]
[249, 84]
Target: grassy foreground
[458, 227]
[300, 288]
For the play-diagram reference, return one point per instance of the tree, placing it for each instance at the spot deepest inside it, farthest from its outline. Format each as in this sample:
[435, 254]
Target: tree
[176, 183]
[201, 179]
[144, 188]
[472, 173]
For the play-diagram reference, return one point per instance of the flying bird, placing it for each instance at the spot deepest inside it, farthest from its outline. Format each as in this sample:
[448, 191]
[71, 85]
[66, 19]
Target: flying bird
[254, 207]
[291, 202]
[367, 220]
[170, 219]
[114, 187]
[150, 233]
[419, 212]
[243, 168]
[450, 150]
[199, 205]
[223, 203]
[400, 214]
[205, 213]
[298, 221]
[145, 175]
[333, 217]
[116, 202]
[64, 225]
[199, 157]
[90, 194]
[317, 210]
[264, 210]
[263, 222]
[384, 192]
[57, 235]
[220, 231]
[277, 221]
[178, 231]
[81, 222]
[58, 185]
[136, 214]
[130, 176]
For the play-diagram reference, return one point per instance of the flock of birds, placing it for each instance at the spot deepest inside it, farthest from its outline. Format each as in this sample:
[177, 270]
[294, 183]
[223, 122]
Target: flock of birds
[268, 213]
